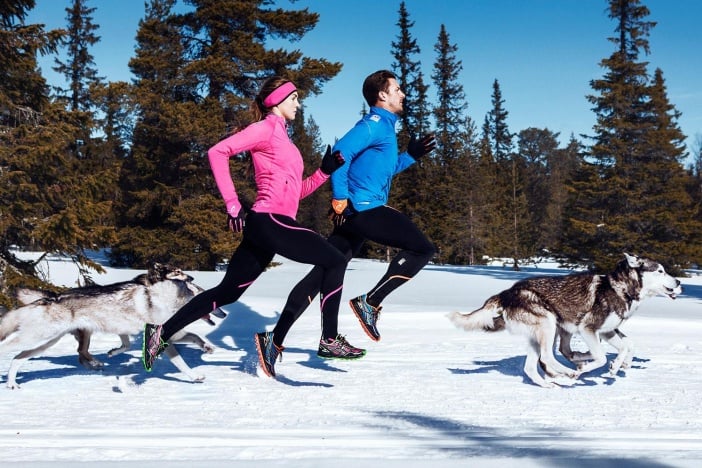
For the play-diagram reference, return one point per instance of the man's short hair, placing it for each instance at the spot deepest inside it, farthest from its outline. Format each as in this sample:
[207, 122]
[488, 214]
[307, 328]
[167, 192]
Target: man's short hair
[375, 83]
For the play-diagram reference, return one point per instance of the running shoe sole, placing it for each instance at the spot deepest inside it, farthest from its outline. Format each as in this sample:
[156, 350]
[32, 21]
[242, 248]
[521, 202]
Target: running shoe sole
[359, 315]
[261, 357]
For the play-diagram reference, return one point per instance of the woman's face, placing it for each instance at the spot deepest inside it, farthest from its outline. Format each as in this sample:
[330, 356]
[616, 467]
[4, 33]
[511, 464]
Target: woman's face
[288, 108]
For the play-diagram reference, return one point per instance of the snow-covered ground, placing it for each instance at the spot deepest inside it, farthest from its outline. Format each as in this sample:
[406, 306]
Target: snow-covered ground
[426, 394]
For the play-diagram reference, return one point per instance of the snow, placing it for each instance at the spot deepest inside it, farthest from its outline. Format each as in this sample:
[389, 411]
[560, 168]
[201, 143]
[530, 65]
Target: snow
[426, 394]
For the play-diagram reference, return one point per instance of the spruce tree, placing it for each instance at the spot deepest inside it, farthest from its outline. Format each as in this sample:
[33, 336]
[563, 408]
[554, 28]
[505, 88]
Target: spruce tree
[446, 196]
[636, 155]
[450, 98]
[21, 84]
[408, 70]
[562, 165]
[669, 216]
[46, 204]
[79, 67]
[314, 209]
[407, 191]
[511, 205]
[197, 72]
[536, 149]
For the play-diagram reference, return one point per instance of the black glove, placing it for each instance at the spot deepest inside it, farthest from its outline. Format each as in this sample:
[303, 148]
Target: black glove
[331, 161]
[419, 149]
[236, 222]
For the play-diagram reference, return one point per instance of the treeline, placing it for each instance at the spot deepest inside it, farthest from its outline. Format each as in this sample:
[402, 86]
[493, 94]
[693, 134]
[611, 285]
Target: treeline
[123, 166]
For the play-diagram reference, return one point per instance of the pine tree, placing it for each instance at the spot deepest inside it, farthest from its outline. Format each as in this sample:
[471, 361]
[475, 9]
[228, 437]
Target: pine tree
[97, 160]
[408, 70]
[314, 209]
[451, 100]
[49, 203]
[196, 74]
[536, 149]
[79, 67]
[406, 193]
[668, 214]
[115, 106]
[446, 191]
[511, 205]
[562, 165]
[636, 156]
[21, 84]
[501, 139]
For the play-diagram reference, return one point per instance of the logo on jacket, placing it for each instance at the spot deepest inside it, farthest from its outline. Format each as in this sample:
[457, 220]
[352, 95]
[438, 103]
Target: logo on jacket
[375, 118]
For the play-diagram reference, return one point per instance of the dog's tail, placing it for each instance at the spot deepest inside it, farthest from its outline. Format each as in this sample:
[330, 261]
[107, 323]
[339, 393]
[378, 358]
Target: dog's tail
[488, 318]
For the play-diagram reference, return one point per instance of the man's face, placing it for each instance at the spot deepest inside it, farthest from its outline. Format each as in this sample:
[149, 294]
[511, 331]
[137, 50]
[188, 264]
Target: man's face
[392, 98]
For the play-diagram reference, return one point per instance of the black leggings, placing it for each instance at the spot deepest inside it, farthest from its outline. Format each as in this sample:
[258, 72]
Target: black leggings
[383, 225]
[265, 235]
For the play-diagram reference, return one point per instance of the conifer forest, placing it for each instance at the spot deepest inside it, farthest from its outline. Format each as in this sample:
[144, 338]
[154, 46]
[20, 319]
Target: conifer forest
[123, 166]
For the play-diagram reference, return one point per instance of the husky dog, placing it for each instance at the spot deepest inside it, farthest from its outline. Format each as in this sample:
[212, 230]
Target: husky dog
[591, 305]
[120, 308]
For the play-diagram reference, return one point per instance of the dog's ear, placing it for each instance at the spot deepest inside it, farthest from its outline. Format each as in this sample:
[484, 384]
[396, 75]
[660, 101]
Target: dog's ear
[156, 272]
[633, 260]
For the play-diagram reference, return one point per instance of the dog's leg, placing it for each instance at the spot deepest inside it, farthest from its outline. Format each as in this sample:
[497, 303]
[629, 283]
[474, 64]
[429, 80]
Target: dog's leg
[564, 338]
[180, 364]
[575, 357]
[625, 351]
[23, 356]
[126, 343]
[84, 357]
[599, 358]
[545, 338]
[531, 366]
[189, 337]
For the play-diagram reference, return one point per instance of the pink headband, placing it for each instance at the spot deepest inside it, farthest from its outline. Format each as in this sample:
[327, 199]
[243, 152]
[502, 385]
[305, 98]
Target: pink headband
[279, 94]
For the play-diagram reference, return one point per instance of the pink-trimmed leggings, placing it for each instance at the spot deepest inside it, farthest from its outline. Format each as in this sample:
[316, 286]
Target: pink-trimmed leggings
[266, 235]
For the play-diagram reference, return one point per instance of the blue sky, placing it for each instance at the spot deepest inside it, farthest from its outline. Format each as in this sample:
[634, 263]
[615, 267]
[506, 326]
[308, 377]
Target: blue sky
[544, 53]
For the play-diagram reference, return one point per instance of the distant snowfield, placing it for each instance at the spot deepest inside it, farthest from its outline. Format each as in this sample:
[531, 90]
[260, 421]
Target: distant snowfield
[426, 394]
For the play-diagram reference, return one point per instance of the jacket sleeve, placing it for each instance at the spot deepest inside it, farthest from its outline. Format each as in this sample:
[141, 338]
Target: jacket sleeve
[247, 139]
[403, 162]
[312, 183]
[351, 146]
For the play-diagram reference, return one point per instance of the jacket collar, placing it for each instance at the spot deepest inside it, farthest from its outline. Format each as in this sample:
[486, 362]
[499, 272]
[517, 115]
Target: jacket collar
[385, 114]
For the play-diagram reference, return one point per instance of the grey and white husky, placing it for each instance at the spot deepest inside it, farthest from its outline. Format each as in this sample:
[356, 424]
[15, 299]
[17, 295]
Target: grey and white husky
[120, 308]
[587, 304]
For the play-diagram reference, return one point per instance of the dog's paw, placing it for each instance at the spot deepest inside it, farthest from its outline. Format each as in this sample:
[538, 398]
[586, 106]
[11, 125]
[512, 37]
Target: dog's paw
[613, 371]
[546, 384]
[115, 351]
[562, 381]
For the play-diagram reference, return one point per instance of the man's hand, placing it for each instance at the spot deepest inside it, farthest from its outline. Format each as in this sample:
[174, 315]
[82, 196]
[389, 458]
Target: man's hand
[339, 205]
[419, 149]
[340, 210]
[332, 161]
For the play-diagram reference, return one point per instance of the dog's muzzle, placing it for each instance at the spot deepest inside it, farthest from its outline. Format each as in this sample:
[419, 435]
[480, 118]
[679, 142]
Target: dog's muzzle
[673, 292]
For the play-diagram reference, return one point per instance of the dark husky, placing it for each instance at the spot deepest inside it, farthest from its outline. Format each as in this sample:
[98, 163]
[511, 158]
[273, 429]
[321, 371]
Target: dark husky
[120, 308]
[584, 303]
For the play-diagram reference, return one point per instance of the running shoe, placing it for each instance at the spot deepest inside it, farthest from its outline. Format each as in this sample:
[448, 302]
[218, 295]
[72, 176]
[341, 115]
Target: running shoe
[367, 315]
[338, 348]
[152, 346]
[268, 352]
